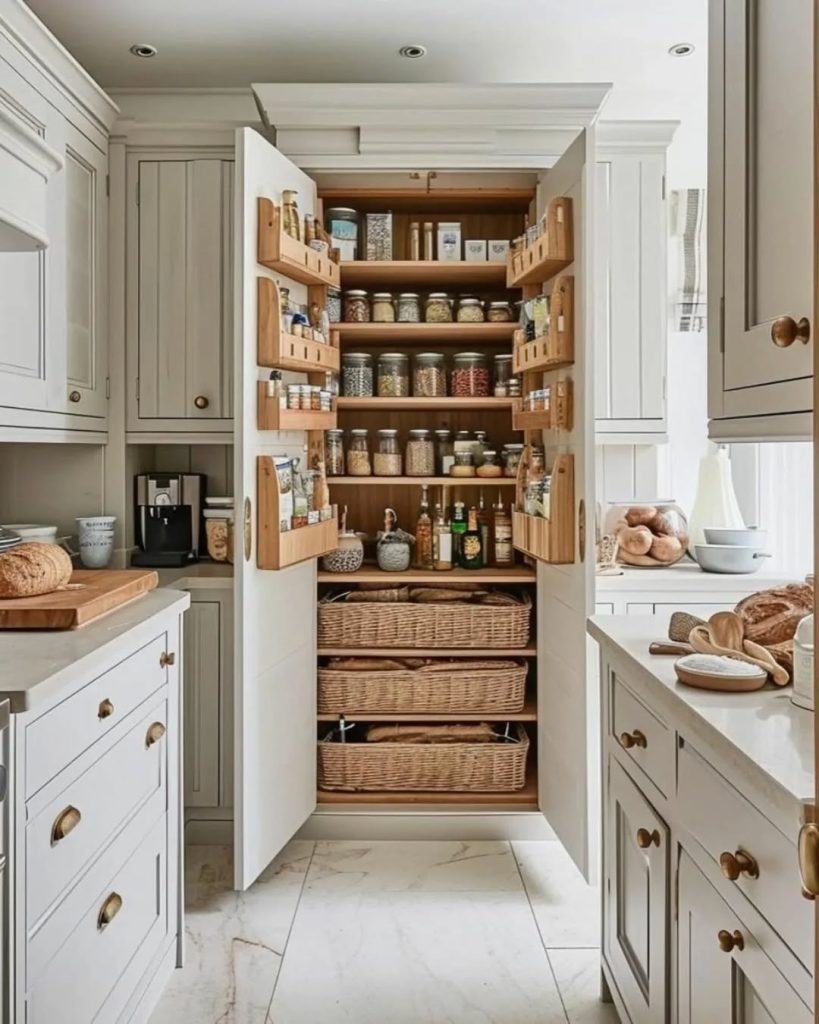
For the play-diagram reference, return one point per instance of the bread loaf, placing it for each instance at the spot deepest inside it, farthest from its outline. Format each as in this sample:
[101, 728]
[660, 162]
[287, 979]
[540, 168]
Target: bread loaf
[33, 568]
[771, 616]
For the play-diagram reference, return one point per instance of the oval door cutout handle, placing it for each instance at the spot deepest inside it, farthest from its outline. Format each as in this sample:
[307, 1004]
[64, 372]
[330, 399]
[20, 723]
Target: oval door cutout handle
[201, 402]
[785, 331]
[155, 733]
[739, 863]
[106, 709]
[633, 739]
[645, 839]
[729, 941]
[65, 822]
[109, 910]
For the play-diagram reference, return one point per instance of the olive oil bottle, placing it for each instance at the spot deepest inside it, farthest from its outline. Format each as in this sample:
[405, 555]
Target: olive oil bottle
[472, 543]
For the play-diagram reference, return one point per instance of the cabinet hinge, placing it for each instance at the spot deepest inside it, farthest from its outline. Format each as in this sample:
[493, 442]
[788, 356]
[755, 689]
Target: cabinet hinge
[108, 184]
[722, 323]
[107, 387]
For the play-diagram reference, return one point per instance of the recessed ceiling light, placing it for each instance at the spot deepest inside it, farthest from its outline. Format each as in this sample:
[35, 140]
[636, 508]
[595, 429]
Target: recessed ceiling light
[681, 49]
[143, 50]
[413, 52]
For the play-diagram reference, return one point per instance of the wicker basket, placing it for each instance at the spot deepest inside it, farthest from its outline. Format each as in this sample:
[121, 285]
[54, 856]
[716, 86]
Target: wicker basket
[424, 767]
[449, 688]
[352, 624]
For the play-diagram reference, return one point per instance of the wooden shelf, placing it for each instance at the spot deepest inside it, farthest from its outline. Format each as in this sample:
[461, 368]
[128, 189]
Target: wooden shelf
[287, 256]
[271, 416]
[277, 550]
[428, 404]
[514, 574]
[403, 274]
[549, 254]
[549, 540]
[427, 334]
[554, 350]
[529, 651]
[439, 200]
[527, 714]
[557, 416]
[276, 349]
[422, 481]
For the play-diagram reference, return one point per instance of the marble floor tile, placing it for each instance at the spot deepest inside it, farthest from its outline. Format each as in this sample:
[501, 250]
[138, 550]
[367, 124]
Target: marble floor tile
[415, 958]
[234, 941]
[359, 867]
[578, 977]
[567, 910]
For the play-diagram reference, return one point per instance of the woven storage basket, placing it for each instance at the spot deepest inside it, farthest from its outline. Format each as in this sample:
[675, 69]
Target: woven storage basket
[494, 688]
[343, 624]
[424, 767]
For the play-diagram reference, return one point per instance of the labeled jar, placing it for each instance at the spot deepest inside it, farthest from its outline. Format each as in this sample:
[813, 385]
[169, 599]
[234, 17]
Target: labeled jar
[409, 308]
[470, 311]
[393, 375]
[420, 454]
[500, 312]
[438, 308]
[357, 374]
[470, 375]
[356, 306]
[315, 398]
[387, 459]
[306, 398]
[463, 464]
[429, 375]
[294, 396]
[358, 453]
[444, 453]
[383, 309]
[511, 456]
[325, 400]
[334, 452]
[491, 466]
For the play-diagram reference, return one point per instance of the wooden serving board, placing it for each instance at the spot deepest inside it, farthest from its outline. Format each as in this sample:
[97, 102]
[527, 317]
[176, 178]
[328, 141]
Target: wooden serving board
[91, 593]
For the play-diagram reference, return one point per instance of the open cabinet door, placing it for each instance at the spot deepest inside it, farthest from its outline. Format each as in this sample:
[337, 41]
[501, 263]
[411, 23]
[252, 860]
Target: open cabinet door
[275, 611]
[568, 783]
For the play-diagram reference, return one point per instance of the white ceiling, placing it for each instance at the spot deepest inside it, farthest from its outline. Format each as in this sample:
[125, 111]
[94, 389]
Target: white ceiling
[213, 43]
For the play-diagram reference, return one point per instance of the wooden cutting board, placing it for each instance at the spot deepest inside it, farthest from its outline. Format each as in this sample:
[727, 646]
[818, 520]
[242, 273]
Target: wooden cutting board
[91, 593]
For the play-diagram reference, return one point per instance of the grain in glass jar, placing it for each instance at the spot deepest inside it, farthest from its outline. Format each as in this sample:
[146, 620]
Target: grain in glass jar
[511, 458]
[357, 374]
[409, 308]
[393, 375]
[470, 375]
[464, 465]
[445, 452]
[438, 308]
[500, 312]
[358, 453]
[429, 375]
[490, 467]
[387, 460]
[470, 311]
[334, 452]
[356, 306]
[420, 454]
[333, 305]
[383, 309]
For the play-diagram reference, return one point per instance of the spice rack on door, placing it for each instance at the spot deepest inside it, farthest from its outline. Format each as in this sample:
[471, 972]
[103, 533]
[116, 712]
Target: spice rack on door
[548, 539]
[276, 549]
[558, 415]
[271, 415]
[277, 349]
[286, 255]
[555, 349]
[548, 254]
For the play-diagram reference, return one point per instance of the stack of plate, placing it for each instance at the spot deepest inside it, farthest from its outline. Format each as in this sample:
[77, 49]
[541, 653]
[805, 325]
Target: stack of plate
[8, 539]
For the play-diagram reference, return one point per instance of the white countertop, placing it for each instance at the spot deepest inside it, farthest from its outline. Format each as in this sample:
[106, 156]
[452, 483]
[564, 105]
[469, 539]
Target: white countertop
[37, 665]
[760, 732]
[687, 576]
[198, 576]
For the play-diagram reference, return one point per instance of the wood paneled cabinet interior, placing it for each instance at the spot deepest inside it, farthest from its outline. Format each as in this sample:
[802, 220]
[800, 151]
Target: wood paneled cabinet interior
[180, 294]
[631, 281]
[760, 223]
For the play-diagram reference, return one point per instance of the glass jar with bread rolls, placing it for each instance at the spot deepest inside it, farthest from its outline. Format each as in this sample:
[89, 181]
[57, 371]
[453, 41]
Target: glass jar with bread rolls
[650, 534]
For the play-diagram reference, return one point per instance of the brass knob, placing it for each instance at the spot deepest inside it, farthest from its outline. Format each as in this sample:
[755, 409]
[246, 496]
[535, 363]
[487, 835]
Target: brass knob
[729, 941]
[74, 396]
[633, 739]
[154, 734]
[739, 863]
[106, 709]
[108, 911]
[809, 859]
[65, 822]
[167, 658]
[201, 402]
[645, 839]
[785, 331]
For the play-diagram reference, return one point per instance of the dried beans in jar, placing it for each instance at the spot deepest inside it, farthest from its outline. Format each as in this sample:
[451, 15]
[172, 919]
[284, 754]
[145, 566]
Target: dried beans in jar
[470, 375]
[429, 375]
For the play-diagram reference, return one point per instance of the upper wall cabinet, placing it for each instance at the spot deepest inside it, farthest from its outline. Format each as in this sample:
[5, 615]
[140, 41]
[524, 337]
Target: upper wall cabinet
[630, 250]
[760, 238]
[180, 299]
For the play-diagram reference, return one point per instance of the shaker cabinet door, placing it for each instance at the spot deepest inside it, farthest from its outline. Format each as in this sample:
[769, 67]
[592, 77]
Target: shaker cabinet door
[203, 639]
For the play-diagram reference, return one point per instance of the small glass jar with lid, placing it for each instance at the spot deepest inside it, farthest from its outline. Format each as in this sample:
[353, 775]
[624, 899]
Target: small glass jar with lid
[445, 452]
[333, 305]
[334, 452]
[409, 308]
[387, 460]
[536, 468]
[464, 465]
[503, 372]
[438, 308]
[356, 306]
[511, 456]
[470, 375]
[393, 375]
[479, 446]
[420, 454]
[357, 374]
[429, 375]
[358, 453]
[513, 387]
[491, 466]
[500, 312]
[383, 308]
[470, 310]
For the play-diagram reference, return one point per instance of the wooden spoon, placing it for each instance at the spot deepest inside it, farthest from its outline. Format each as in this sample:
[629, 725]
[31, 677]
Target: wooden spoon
[701, 642]
[780, 675]
[727, 630]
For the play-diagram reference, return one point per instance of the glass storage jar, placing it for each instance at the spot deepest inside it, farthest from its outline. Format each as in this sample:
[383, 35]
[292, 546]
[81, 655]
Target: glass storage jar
[358, 453]
[409, 308]
[490, 467]
[356, 306]
[445, 454]
[470, 311]
[438, 308]
[420, 454]
[387, 460]
[511, 458]
[652, 534]
[334, 452]
[333, 305]
[500, 312]
[470, 375]
[357, 374]
[479, 446]
[429, 375]
[393, 375]
[503, 373]
[464, 465]
[383, 309]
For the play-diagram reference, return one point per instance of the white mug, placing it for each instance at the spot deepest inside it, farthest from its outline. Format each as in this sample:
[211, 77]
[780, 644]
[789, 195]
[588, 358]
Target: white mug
[96, 534]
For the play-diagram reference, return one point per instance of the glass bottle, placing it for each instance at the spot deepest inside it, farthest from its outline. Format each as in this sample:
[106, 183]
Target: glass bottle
[441, 541]
[484, 525]
[458, 527]
[502, 535]
[415, 240]
[471, 543]
[428, 250]
[423, 534]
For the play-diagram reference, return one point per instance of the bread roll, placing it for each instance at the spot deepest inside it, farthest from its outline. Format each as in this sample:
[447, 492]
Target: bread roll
[635, 540]
[33, 568]
[640, 515]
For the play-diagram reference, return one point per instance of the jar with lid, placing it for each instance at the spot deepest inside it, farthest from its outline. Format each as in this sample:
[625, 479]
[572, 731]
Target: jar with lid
[294, 396]
[445, 454]
[420, 454]
[387, 460]
[470, 375]
[334, 452]
[356, 306]
[464, 464]
[536, 468]
[500, 312]
[438, 308]
[470, 311]
[383, 308]
[479, 446]
[409, 308]
[333, 305]
[357, 374]
[511, 458]
[429, 375]
[393, 375]
[490, 467]
[358, 453]
[513, 387]
[503, 372]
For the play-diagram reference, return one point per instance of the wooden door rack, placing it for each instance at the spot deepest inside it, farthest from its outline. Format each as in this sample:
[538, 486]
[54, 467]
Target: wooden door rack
[276, 549]
[286, 255]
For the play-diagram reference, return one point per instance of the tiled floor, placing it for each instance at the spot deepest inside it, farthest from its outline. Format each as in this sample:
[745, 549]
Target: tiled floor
[391, 933]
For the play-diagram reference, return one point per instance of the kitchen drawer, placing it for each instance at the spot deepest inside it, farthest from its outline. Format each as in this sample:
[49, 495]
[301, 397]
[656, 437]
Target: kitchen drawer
[723, 821]
[74, 965]
[64, 732]
[93, 807]
[645, 739]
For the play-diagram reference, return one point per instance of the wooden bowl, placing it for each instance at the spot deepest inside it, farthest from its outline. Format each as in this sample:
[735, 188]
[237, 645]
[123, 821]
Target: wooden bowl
[755, 678]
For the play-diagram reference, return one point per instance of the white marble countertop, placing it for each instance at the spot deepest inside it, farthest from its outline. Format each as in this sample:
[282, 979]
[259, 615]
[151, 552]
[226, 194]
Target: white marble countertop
[687, 576]
[759, 732]
[38, 665]
[198, 576]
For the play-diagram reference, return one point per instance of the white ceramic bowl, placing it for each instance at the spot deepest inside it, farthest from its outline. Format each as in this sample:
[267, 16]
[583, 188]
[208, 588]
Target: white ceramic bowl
[749, 537]
[33, 531]
[729, 558]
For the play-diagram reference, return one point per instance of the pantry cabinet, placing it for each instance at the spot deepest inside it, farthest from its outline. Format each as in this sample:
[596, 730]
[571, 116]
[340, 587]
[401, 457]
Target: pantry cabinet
[760, 236]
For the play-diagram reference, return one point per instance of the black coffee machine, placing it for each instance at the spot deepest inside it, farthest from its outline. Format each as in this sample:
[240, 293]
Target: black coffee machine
[168, 517]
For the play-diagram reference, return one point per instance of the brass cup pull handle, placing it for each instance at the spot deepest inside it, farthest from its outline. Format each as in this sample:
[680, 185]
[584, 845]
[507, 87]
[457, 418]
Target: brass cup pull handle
[729, 941]
[809, 859]
[201, 402]
[738, 863]
[155, 733]
[633, 739]
[167, 658]
[785, 331]
[74, 396]
[106, 709]
[109, 910]
[65, 822]
[645, 839]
